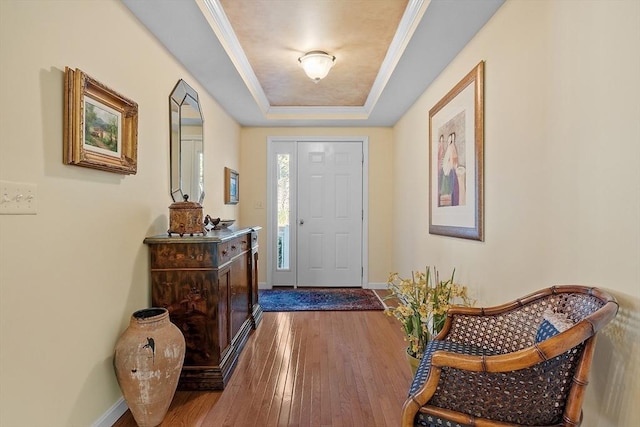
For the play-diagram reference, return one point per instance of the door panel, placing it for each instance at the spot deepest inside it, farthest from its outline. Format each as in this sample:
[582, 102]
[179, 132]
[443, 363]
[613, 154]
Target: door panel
[329, 198]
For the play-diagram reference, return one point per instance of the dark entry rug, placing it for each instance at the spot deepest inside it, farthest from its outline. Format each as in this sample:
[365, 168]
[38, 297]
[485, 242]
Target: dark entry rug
[319, 299]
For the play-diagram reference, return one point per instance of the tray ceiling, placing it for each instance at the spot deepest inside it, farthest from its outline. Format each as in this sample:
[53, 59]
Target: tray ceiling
[244, 52]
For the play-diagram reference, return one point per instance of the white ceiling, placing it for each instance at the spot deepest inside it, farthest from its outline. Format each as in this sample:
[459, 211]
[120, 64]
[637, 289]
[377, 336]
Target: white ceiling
[244, 53]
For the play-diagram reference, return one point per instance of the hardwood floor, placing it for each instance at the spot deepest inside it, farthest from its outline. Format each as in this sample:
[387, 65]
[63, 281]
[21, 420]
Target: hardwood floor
[307, 369]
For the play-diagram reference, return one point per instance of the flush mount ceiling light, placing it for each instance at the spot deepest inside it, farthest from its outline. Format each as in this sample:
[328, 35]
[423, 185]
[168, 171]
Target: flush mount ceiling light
[316, 64]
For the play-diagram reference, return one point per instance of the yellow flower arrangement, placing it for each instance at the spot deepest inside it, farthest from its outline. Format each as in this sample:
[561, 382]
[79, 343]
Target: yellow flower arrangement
[422, 304]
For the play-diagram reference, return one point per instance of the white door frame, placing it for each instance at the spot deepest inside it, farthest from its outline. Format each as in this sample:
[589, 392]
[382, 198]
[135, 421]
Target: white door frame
[271, 203]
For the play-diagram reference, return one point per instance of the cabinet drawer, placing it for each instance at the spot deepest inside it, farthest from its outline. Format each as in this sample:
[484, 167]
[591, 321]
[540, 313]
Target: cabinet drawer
[181, 255]
[228, 250]
[224, 254]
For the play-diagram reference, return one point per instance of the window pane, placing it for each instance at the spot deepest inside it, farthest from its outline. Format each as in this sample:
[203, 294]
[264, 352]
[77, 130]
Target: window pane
[283, 211]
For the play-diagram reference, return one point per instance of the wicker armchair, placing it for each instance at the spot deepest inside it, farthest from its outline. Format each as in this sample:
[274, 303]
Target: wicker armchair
[525, 363]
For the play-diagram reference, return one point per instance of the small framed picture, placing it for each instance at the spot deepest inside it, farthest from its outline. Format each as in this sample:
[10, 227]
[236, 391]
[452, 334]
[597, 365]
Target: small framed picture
[100, 125]
[231, 187]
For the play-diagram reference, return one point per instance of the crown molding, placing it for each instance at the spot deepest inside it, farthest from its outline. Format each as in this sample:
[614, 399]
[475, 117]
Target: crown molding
[217, 19]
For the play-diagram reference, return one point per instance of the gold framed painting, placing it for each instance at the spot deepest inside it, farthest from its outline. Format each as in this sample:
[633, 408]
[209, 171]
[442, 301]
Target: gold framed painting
[456, 160]
[100, 125]
[231, 186]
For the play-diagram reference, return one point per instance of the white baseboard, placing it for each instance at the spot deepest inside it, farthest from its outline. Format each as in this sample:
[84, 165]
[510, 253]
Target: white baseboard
[263, 285]
[112, 415]
[376, 286]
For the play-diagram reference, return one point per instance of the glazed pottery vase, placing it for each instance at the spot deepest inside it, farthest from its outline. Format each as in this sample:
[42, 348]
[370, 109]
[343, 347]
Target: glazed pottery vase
[148, 359]
[414, 362]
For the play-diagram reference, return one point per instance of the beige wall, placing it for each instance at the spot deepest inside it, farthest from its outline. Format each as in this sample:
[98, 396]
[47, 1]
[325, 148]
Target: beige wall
[561, 176]
[253, 160]
[71, 275]
[562, 182]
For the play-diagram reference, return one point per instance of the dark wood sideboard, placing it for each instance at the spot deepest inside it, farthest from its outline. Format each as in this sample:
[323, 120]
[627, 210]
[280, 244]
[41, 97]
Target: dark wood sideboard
[209, 284]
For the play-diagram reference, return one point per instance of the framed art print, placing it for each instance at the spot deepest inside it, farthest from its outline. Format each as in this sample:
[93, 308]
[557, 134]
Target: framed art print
[231, 187]
[456, 157]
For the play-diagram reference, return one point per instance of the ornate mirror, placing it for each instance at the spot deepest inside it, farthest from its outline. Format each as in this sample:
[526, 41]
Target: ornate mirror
[186, 146]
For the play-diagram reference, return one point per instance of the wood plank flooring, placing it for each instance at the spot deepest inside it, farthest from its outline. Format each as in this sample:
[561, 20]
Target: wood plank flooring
[307, 369]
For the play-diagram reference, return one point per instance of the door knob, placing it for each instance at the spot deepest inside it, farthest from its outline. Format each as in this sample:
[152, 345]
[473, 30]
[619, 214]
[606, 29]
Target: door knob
[301, 222]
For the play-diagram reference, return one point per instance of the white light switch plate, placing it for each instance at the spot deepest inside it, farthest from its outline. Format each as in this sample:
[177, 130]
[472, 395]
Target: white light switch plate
[18, 198]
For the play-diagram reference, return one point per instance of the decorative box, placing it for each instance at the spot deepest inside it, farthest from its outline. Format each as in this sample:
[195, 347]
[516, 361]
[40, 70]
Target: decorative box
[185, 218]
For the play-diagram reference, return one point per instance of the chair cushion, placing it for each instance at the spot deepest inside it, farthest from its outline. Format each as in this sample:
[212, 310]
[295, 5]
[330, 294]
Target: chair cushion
[425, 364]
[422, 374]
[433, 421]
[552, 324]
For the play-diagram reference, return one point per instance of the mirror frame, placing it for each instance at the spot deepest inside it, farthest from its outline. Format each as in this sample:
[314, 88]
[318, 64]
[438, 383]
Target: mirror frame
[181, 96]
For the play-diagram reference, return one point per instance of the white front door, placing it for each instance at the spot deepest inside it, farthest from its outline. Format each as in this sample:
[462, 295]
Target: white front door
[330, 214]
[317, 212]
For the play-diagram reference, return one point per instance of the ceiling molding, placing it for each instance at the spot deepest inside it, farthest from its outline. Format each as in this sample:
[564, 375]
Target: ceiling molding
[408, 24]
[215, 16]
[309, 113]
[217, 19]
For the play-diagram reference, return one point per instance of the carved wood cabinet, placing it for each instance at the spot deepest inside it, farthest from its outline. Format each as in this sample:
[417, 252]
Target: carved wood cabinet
[209, 284]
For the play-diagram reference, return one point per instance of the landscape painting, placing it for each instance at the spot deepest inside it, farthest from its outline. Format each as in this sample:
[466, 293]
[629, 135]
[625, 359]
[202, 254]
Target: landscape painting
[100, 126]
[102, 129]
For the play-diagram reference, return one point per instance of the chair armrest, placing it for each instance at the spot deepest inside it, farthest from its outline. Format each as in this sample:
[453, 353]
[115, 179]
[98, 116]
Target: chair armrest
[516, 360]
[446, 353]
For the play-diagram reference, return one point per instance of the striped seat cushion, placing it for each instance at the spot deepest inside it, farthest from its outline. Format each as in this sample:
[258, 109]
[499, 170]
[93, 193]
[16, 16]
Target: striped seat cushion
[423, 373]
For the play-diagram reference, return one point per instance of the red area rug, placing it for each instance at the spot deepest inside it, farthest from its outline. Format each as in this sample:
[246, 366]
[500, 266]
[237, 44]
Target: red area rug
[325, 299]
